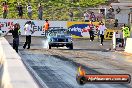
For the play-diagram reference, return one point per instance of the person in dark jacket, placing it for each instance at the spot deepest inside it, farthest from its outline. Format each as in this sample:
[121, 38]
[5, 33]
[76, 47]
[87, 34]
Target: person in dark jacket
[91, 31]
[15, 33]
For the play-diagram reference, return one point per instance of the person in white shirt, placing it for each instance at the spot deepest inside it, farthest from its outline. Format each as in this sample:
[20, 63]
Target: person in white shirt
[86, 17]
[28, 32]
[29, 9]
[102, 29]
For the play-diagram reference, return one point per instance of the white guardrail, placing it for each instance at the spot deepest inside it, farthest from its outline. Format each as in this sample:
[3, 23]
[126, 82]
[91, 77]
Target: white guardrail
[13, 73]
[128, 47]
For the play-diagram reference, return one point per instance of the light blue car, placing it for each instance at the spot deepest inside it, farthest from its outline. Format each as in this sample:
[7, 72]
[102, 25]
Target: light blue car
[60, 38]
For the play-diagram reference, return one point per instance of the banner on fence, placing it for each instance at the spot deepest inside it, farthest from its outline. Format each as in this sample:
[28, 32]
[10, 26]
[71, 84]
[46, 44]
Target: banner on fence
[79, 29]
[36, 25]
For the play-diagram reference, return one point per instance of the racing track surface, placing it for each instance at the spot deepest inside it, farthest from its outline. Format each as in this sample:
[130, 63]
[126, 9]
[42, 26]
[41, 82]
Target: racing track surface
[59, 72]
[56, 71]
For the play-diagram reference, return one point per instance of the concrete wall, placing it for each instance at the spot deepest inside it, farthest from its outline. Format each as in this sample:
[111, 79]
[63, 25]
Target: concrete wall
[13, 73]
[128, 47]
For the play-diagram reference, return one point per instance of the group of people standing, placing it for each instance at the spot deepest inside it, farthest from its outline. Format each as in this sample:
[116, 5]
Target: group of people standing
[90, 16]
[100, 29]
[20, 10]
[15, 30]
[30, 11]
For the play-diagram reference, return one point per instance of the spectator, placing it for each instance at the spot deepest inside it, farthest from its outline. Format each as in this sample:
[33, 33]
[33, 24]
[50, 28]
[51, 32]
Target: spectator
[0, 29]
[29, 9]
[102, 29]
[118, 10]
[0, 25]
[110, 15]
[102, 10]
[46, 27]
[99, 17]
[116, 23]
[71, 15]
[111, 9]
[5, 10]
[92, 17]
[20, 10]
[40, 11]
[86, 17]
[0, 32]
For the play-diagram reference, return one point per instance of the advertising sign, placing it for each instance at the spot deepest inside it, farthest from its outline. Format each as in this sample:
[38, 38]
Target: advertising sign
[37, 25]
[80, 29]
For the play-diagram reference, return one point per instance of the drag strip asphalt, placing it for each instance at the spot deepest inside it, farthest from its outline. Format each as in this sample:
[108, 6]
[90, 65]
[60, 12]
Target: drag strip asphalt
[59, 72]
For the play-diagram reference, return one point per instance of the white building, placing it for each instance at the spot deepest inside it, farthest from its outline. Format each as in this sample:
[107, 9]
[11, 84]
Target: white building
[125, 15]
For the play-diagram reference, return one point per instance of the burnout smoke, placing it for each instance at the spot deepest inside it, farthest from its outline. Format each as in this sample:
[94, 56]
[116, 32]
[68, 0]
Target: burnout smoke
[45, 43]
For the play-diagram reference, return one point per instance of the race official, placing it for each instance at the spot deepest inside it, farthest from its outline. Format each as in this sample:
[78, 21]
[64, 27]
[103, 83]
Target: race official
[102, 29]
[28, 32]
[126, 33]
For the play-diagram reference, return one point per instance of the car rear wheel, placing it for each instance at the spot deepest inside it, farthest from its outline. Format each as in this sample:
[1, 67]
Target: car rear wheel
[49, 46]
[71, 46]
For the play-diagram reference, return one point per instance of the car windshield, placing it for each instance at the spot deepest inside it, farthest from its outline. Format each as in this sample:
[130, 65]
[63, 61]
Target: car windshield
[56, 32]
